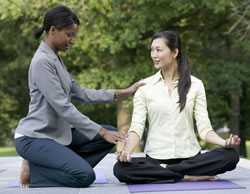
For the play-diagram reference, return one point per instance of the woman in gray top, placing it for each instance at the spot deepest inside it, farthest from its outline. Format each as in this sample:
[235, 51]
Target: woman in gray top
[61, 144]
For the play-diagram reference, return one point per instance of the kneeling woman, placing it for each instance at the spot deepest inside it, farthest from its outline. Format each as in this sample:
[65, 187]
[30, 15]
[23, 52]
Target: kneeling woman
[171, 100]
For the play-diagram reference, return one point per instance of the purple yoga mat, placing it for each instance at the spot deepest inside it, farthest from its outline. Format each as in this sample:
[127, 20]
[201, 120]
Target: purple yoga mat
[100, 179]
[184, 186]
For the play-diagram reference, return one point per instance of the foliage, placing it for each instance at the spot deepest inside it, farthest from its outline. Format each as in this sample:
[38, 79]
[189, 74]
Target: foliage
[111, 50]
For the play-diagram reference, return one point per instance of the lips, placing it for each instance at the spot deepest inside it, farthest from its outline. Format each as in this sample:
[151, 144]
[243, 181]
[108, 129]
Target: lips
[156, 62]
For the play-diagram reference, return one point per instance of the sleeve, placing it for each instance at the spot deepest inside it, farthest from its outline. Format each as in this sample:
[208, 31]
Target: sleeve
[47, 81]
[139, 113]
[86, 95]
[201, 113]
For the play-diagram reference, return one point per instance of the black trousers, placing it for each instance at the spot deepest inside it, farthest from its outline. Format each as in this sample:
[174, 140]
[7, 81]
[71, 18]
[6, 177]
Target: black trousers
[149, 170]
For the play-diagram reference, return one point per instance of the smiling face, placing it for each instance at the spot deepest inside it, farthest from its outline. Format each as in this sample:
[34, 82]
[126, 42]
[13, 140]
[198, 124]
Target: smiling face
[161, 54]
[63, 38]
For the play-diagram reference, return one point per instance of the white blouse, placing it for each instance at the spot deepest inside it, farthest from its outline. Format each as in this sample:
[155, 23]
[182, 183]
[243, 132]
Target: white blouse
[171, 133]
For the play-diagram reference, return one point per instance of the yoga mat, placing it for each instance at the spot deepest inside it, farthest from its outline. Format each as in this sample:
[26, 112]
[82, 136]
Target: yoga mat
[100, 179]
[184, 186]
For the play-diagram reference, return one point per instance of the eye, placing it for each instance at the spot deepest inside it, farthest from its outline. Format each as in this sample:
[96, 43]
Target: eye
[71, 34]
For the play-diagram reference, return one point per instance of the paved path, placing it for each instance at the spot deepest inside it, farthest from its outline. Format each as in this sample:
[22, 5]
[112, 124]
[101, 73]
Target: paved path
[9, 171]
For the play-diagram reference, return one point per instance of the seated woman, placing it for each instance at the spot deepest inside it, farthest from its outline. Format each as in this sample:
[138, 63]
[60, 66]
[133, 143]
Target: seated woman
[171, 100]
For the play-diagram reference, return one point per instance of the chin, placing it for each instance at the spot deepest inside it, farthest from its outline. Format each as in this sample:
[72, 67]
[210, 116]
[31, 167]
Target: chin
[157, 66]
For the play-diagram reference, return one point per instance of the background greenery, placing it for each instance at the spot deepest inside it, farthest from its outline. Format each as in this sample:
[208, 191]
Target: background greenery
[111, 51]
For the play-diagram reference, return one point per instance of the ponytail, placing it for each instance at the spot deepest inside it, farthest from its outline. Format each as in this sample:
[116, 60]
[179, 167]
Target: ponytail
[38, 32]
[173, 41]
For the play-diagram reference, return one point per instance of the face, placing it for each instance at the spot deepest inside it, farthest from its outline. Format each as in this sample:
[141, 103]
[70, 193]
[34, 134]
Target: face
[161, 54]
[63, 38]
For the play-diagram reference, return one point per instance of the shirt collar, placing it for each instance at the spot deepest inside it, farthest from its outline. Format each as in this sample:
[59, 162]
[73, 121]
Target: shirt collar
[44, 47]
[158, 77]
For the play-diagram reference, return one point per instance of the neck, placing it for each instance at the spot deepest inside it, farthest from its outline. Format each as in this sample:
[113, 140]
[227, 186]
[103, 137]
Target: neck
[50, 44]
[170, 73]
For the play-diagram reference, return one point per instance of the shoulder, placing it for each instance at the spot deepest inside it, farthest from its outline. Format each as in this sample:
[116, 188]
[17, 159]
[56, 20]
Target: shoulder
[148, 82]
[42, 60]
[196, 82]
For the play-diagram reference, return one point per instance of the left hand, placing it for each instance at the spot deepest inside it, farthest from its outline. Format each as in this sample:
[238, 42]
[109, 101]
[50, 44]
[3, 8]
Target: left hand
[232, 141]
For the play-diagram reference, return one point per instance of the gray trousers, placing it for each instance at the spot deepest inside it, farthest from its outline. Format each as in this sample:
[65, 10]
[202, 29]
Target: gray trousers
[55, 165]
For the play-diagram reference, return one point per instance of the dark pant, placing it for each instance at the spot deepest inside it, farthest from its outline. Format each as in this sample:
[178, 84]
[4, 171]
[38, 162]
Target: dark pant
[55, 165]
[149, 170]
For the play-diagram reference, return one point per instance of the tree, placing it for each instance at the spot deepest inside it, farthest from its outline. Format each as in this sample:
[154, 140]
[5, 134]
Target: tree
[111, 50]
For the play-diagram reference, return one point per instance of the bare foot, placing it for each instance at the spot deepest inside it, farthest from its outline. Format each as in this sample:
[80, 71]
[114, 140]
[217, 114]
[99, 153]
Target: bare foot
[199, 178]
[25, 174]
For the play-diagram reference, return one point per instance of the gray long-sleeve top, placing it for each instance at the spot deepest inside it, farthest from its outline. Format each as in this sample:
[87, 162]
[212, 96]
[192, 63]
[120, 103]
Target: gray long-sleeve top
[51, 113]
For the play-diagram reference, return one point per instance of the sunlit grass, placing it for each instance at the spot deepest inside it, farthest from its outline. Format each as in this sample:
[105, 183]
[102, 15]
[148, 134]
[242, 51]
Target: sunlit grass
[8, 151]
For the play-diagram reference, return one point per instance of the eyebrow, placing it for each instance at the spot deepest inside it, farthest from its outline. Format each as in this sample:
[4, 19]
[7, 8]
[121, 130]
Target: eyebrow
[155, 47]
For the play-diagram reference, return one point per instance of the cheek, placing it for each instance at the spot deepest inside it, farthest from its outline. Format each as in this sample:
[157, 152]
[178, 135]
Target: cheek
[164, 56]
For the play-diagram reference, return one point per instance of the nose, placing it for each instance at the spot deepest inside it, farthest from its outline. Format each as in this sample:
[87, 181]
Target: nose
[153, 54]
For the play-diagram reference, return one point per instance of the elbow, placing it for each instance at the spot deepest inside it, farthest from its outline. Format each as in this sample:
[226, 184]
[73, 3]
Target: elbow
[204, 133]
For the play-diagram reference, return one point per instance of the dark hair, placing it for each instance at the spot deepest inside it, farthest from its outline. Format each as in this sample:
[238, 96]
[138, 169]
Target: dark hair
[173, 41]
[60, 17]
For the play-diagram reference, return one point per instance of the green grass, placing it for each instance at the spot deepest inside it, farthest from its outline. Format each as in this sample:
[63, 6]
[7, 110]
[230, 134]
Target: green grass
[7, 151]
[11, 151]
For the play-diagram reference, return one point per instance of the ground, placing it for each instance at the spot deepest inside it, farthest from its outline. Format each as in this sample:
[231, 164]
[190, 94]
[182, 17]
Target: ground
[9, 171]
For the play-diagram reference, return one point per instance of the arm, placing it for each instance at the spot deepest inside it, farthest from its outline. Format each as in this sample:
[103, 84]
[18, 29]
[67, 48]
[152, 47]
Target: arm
[204, 127]
[136, 127]
[47, 81]
[86, 95]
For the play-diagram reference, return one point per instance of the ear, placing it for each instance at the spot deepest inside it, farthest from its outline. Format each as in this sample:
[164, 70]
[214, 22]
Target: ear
[175, 53]
[52, 30]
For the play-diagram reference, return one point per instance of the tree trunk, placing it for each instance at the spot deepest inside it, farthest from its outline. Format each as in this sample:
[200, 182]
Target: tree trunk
[234, 124]
[123, 116]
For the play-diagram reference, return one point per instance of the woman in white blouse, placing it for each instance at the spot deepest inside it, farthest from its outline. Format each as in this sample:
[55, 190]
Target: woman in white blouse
[171, 100]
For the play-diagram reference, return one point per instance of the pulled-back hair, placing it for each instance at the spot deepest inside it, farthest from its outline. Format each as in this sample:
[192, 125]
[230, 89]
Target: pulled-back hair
[173, 41]
[60, 17]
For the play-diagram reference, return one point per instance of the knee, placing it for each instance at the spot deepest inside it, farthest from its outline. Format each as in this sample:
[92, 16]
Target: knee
[118, 171]
[85, 177]
[232, 157]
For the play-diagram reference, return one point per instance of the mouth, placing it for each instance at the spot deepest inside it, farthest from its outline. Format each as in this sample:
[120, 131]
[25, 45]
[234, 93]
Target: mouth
[156, 62]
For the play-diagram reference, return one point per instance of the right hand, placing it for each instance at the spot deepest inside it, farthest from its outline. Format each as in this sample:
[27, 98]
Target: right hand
[124, 156]
[112, 136]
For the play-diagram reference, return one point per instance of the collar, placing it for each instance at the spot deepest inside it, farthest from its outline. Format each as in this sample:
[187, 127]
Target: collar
[158, 77]
[44, 47]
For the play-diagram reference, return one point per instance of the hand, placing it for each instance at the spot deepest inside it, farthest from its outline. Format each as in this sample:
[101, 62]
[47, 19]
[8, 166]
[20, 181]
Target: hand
[124, 156]
[232, 141]
[132, 89]
[112, 136]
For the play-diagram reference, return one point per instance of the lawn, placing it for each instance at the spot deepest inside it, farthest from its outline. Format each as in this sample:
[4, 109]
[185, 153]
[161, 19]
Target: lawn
[10, 151]
[7, 151]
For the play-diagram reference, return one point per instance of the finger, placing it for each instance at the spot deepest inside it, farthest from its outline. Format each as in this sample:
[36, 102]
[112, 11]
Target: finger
[128, 158]
[230, 140]
[117, 138]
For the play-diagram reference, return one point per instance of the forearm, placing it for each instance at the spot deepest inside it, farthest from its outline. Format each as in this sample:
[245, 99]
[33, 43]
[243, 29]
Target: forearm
[132, 142]
[214, 138]
[121, 94]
